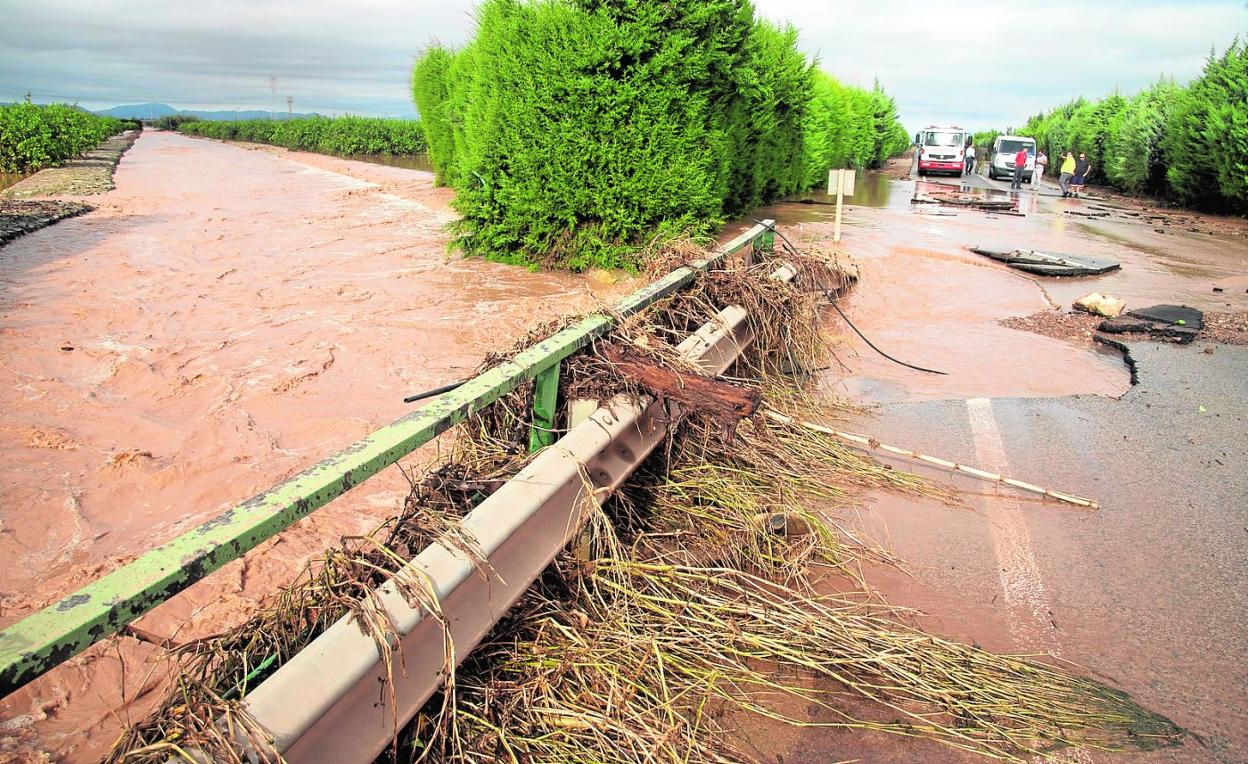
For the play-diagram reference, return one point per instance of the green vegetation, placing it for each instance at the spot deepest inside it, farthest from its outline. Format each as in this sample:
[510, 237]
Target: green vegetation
[337, 135]
[33, 136]
[1188, 143]
[849, 127]
[174, 121]
[577, 132]
[985, 138]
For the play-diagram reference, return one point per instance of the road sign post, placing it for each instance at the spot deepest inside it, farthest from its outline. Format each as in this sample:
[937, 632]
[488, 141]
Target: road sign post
[843, 183]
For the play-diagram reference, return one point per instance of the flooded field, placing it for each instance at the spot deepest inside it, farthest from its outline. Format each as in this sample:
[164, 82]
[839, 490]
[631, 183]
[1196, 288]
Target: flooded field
[225, 319]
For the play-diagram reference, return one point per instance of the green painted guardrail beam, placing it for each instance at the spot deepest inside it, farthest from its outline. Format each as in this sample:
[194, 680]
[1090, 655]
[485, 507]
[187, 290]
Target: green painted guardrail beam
[32, 646]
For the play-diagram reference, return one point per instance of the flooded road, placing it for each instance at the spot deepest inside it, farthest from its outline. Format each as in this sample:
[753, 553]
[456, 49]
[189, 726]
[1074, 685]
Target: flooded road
[1147, 592]
[226, 318]
[924, 298]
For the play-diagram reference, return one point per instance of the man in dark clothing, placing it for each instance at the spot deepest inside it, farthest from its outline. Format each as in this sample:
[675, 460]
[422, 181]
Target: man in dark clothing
[1082, 168]
[1020, 164]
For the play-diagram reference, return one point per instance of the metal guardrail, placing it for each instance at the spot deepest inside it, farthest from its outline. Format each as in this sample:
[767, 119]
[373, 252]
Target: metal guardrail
[342, 680]
[34, 645]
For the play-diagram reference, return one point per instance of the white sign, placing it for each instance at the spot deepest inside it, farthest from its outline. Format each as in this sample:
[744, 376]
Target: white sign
[841, 183]
[838, 177]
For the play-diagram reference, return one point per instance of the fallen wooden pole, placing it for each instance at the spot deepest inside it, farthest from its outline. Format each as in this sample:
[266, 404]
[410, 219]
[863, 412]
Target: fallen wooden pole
[873, 444]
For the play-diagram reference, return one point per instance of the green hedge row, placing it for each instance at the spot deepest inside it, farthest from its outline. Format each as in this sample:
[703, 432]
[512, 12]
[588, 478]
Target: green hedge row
[849, 127]
[575, 132]
[1188, 143]
[336, 135]
[33, 136]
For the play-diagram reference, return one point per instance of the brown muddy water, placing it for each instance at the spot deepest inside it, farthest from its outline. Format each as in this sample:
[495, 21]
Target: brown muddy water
[12, 178]
[232, 313]
[224, 319]
[925, 298]
[406, 161]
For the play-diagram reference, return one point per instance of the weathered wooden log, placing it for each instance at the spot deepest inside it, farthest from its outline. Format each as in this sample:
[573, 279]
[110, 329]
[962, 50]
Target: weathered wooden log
[724, 402]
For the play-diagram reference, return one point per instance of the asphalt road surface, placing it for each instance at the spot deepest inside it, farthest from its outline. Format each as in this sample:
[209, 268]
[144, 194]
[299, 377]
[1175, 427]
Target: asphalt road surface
[1150, 591]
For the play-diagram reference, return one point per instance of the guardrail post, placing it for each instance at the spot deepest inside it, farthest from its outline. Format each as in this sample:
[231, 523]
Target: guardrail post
[764, 243]
[545, 399]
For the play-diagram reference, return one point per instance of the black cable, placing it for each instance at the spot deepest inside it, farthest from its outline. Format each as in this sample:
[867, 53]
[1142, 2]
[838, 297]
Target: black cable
[433, 392]
[832, 299]
[453, 385]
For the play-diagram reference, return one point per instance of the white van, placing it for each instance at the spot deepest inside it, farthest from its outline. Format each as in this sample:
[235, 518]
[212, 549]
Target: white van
[942, 149]
[1004, 148]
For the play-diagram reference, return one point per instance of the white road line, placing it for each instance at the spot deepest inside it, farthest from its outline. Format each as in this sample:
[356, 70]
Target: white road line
[1025, 599]
[1027, 607]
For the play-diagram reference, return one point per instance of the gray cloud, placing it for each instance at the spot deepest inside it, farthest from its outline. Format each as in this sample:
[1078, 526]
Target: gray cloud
[985, 65]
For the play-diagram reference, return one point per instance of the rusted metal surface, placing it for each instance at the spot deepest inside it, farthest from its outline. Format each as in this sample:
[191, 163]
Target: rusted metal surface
[340, 682]
[44, 639]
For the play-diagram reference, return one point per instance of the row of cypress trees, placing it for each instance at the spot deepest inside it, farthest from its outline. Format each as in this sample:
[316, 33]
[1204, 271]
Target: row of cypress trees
[574, 132]
[1188, 143]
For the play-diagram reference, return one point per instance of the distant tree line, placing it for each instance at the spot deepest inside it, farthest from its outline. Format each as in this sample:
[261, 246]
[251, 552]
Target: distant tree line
[1187, 143]
[326, 135]
[575, 132]
[174, 121]
[35, 136]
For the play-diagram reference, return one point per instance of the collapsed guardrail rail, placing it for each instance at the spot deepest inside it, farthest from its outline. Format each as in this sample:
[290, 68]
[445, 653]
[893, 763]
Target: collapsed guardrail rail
[43, 640]
[341, 681]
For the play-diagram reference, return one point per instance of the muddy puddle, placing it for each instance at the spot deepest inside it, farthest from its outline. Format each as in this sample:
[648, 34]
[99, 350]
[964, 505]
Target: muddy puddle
[871, 189]
[11, 178]
[406, 161]
[225, 319]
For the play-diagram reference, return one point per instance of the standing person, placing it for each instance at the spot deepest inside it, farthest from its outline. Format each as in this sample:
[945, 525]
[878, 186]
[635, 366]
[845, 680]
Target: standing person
[970, 157]
[1020, 165]
[1042, 161]
[1068, 172]
[1082, 168]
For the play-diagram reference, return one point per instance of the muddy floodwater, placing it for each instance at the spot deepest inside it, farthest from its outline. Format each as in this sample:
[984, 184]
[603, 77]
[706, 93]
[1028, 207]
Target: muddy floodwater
[1144, 591]
[405, 161]
[926, 299]
[231, 314]
[223, 320]
[11, 178]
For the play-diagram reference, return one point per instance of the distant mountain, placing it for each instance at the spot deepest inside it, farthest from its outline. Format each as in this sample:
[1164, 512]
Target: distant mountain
[158, 110]
[139, 111]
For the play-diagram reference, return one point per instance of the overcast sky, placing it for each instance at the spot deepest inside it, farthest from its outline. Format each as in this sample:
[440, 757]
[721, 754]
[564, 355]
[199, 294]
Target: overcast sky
[982, 65]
